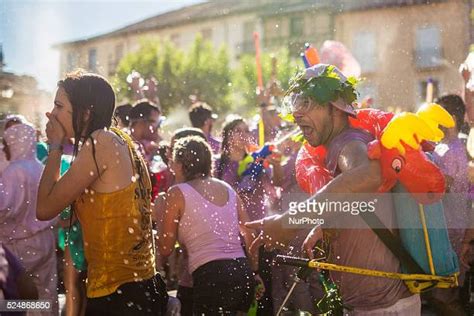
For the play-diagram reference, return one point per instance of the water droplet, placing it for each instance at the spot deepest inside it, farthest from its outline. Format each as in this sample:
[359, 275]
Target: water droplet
[131, 230]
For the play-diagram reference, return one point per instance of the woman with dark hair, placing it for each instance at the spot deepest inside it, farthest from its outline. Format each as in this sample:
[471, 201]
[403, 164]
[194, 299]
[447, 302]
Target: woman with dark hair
[206, 216]
[252, 189]
[108, 187]
[32, 242]
[185, 280]
[122, 115]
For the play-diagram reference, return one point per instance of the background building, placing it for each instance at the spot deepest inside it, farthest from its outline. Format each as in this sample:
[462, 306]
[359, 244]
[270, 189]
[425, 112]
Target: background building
[20, 95]
[399, 44]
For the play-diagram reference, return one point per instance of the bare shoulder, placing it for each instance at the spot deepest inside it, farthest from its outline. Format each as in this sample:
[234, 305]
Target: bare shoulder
[175, 197]
[175, 192]
[106, 138]
[353, 154]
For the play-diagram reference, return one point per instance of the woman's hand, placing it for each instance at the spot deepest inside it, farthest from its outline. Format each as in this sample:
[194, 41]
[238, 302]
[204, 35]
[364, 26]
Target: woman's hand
[54, 130]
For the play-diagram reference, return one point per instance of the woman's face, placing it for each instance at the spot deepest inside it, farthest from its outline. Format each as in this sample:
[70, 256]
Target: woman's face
[63, 111]
[240, 136]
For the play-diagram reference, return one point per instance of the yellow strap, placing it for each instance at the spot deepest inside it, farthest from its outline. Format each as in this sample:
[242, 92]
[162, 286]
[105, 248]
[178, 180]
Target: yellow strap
[427, 239]
[452, 280]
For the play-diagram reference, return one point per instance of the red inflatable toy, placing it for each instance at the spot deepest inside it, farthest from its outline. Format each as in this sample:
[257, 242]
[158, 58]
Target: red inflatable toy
[311, 172]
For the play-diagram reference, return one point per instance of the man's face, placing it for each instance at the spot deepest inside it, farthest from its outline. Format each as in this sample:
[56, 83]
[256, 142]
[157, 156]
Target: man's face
[147, 128]
[315, 121]
[208, 124]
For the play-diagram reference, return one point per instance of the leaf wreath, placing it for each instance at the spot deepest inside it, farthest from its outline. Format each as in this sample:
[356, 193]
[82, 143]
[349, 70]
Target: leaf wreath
[322, 89]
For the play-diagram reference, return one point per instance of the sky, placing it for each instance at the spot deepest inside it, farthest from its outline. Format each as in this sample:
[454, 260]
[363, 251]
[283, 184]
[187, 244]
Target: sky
[29, 29]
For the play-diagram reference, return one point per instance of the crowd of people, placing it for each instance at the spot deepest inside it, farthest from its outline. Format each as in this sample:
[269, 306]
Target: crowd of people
[134, 215]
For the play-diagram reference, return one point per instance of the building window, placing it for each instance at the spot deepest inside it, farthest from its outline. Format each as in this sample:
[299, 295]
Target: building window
[428, 47]
[93, 59]
[423, 88]
[297, 26]
[72, 61]
[206, 34]
[363, 47]
[249, 28]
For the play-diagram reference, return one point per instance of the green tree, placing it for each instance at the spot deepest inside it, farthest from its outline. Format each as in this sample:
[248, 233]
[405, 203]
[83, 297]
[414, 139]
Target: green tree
[154, 59]
[245, 87]
[207, 74]
[202, 72]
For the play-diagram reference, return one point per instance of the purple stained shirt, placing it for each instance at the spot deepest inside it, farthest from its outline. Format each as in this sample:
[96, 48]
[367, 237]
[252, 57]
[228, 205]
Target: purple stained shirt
[452, 159]
[290, 190]
[13, 270]
[289, 182]
[214, 143]
[19, 186]
[254, 133]
[362, 248]
[253, 193]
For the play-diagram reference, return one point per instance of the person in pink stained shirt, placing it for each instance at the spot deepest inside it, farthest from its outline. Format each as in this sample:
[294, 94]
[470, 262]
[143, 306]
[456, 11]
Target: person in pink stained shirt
[206, 216]
[30, 240]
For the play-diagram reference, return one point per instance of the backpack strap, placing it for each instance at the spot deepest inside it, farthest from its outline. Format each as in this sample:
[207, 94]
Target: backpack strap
[392, 242]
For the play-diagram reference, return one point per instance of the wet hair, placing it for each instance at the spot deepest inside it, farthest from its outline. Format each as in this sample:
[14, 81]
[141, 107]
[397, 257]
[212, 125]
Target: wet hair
[14, 119]
[93, 93]
[455, 106]
[143, 109]
[188, 131]
[194, 154]
[122, 112]
[163, 148]
[229, 126]
[198, 114]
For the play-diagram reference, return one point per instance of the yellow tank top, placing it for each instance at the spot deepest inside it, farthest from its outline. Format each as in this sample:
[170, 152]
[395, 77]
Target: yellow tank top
[117, 231]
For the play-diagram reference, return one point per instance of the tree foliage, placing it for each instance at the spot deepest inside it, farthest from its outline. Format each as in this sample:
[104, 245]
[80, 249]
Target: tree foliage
[202, 72]
[246, 75]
